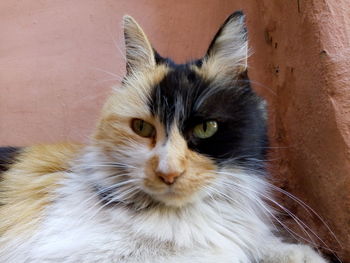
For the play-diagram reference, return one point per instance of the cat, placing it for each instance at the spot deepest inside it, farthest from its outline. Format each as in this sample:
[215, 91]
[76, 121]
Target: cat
[173, 172]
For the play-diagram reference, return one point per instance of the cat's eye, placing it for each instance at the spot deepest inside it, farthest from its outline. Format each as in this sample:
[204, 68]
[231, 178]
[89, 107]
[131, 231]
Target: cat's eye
[205, 129]
[143, 128]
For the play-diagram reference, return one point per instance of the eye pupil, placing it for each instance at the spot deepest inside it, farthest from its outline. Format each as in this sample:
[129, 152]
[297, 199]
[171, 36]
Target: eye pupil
[204, 126]
[141, 125]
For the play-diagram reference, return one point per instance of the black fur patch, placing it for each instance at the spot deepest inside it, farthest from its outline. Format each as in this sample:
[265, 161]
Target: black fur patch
[8, 157]
[183, 97]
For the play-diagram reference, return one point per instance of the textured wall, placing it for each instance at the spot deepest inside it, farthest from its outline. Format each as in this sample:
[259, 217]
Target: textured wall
[306, 59]
[55, 57]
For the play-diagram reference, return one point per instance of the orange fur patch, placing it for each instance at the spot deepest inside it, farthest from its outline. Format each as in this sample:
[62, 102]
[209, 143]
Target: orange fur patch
[27, 188]
[196, 171]
[126, 103]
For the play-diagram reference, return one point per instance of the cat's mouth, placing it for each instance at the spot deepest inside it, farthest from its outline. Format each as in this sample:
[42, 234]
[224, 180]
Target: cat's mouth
[144, 197]
[187, 189]
[145, 191]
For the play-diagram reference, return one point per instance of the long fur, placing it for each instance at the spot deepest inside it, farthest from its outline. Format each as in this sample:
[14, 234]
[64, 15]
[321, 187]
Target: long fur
[106, 201]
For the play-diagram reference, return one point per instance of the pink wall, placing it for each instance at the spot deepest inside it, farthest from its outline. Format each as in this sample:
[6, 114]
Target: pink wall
[307, 65]
[53, 55]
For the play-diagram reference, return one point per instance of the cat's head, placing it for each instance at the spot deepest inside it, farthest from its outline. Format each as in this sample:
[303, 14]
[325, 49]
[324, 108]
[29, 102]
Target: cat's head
[169, 130]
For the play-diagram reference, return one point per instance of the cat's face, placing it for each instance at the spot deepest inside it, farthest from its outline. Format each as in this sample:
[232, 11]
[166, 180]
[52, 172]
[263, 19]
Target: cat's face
[170, 129]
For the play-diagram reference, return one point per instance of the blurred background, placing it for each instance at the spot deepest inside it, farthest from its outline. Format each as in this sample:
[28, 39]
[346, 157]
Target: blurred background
[59, 60]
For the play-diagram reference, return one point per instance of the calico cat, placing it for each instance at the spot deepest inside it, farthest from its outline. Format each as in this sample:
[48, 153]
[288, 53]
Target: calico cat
[173, 173]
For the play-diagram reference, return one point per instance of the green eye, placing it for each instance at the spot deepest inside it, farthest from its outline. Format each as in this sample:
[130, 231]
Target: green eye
[205, 129]
[142, 128]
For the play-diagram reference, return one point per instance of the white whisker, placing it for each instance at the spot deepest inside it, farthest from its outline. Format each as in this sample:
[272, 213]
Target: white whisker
[299, 222]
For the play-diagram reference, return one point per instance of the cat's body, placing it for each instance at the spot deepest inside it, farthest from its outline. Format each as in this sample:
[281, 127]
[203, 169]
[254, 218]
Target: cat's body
[173, 173]
[76, 229]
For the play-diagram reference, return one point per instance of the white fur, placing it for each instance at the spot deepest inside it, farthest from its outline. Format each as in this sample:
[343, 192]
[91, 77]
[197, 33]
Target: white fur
[227, 221]
[226, 227]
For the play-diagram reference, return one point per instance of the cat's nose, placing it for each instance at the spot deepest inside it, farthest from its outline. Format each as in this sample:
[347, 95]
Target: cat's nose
[169, 178]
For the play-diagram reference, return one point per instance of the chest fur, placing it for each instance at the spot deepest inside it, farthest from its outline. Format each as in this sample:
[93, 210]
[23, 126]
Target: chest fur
[77, 228]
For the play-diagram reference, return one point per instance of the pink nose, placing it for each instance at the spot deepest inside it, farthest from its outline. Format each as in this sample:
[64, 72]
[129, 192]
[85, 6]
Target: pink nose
[168, 178]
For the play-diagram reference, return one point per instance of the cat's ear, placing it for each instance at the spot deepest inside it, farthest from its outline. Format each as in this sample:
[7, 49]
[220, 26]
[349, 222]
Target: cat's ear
[139, 52]
[228, 51]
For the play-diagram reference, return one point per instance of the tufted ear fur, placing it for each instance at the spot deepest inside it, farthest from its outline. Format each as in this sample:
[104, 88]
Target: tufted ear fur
[228, 51]
[139, 52]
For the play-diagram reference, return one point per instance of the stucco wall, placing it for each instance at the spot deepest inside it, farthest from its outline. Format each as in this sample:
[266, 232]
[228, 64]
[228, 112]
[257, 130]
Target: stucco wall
[55, 55]
[306, 59]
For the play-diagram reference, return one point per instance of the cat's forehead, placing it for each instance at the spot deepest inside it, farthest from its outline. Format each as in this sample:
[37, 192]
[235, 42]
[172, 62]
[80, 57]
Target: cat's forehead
[175, 94]
[186, 94]
[180, 79]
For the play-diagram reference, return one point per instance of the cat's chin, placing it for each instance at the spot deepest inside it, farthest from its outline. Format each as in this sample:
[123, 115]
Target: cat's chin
[171, 199]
